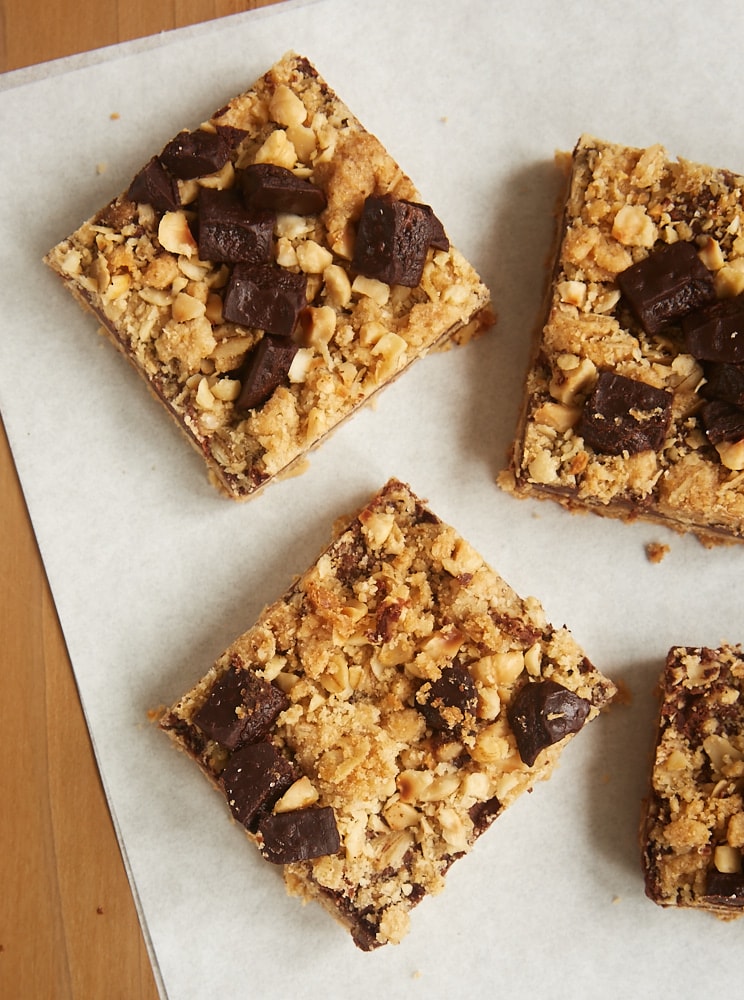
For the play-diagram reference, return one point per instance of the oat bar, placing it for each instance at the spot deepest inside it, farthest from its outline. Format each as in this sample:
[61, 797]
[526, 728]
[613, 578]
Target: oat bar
[693, 824]
[268, 272]
[634, 399]
[379, 716]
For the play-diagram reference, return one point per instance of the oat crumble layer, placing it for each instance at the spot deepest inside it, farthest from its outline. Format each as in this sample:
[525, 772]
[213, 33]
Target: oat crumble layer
[622, 205]
[138, 270]
[693, 823]
[417, 684]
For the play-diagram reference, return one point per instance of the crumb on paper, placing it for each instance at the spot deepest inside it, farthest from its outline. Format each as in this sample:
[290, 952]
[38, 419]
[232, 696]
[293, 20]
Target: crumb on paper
[655, 551]
[418, 974]
[616, 899]
[101, 168]
[114, 116]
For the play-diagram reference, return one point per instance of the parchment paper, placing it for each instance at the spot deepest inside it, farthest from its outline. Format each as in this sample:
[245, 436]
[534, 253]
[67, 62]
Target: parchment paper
[154, 574]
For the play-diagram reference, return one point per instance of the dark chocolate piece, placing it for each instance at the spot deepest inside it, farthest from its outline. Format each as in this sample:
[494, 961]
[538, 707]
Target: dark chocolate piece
[155, 186]
[233, 136]
[724, 382]
[266, 369]
[450, 702]
[268, 186]
[195, 154]
[266, 297]
[241, 708]
[725, 888]
[298, 835]
[254, 778]
[484, 813]
[542, 713]
[230, 233]
[722, 421]
[716, 333]
[666, 285]
[625, 415]
[393, 238]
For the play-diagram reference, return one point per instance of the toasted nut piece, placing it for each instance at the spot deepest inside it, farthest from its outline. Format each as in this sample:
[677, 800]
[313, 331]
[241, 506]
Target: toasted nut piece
[372, 288]
[337, 286]
[559, 416]
[391, 848]
[312, 257]
[226, 389]
[412, 784]
[222, 179]
[400, 815]
[633, 227]
[286, 108]
[729, 281]
[732, 454]
[303, 140]
[213, 309]
[175, 236]
[727, 859]
[711, 255]
[573, 293]
[377, 527]
[573, 380]
[186, 307]
[454, 830]
[489, 704]
[277, 149]
[119, 285]
[298, 796]
[156, 296]
[204, 397]
[391, 349]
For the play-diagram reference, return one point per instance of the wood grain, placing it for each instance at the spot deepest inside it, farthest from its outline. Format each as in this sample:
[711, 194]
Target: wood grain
[68, 924]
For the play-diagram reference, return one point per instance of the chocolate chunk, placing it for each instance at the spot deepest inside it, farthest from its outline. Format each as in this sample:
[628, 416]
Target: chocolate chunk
[241, 708]
[393, 238]
[267, 367]
[229, 233]
[154, 186]
[483, 814]
[716, 333]
[268, 186]
[625, 415]
[724, 382]
[195, 154]
[542, 713]
[265, 297]
[666, 285]
[254, 778]
[233, 136]
[722, 421]
[725, 888]
[298, 835]
[450, 702]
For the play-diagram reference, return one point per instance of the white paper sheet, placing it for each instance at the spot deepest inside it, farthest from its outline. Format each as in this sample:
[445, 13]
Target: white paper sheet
[153, 574]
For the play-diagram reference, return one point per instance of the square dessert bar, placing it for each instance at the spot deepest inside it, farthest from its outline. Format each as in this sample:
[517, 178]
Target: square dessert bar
[268, 272]
[634, 399]
[380, 715]
[693, 824]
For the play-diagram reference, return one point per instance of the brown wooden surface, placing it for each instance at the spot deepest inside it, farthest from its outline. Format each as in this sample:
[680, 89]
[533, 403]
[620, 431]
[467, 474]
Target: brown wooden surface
[68, 926]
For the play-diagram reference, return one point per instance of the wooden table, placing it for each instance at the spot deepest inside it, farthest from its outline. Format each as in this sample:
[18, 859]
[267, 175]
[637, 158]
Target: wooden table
[68, 926]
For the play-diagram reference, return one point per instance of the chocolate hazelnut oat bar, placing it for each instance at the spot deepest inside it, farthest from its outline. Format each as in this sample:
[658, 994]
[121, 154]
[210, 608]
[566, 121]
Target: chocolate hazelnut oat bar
[268, 272]
[693, 824]
[379, 716]
[634, 399]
